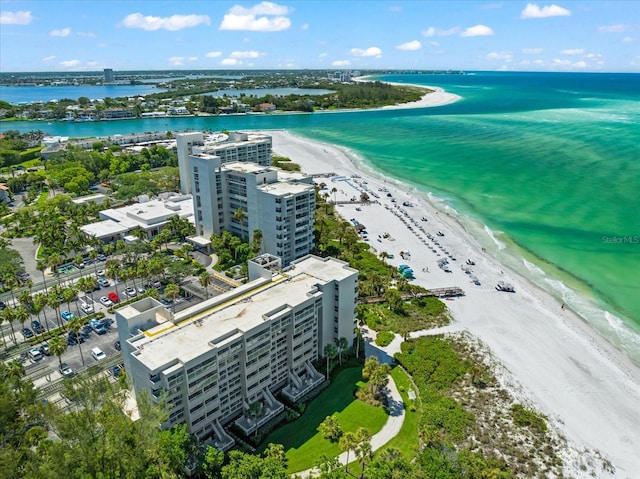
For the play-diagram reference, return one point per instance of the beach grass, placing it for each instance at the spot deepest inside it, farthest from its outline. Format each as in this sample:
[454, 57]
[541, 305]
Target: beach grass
[304, 444]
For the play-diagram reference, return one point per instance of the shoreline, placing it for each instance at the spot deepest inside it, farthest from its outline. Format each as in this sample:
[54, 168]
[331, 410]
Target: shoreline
[566, 368]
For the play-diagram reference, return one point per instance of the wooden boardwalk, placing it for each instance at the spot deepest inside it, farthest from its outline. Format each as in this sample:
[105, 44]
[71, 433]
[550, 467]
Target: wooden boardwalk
[437, 292]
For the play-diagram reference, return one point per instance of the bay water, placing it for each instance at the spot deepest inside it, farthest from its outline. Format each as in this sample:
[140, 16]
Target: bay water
[543, 170]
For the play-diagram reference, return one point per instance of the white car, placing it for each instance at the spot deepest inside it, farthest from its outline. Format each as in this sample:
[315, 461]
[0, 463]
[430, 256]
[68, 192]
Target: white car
[87, 308]
[100, 272]
[106, 301]
[98, 354]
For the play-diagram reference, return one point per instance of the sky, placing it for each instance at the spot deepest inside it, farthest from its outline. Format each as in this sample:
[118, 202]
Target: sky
[511, 35]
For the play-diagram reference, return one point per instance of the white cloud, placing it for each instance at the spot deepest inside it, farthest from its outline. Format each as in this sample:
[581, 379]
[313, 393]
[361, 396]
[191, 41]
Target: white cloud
[213, 54]
[70, 63]
[263, 17]
[92, 64]
[614, 28]
[176, 61]
[16, 18]
[593, 55]
[230, 62]
[410, 46]
[477, 31]
[573, 51]
[341, 63]
[49, 58]
[322, 55]
[534, 11]
[304, 26]
[569, 63]
[629, 40]
[532, 51]
[246, 54]
[86, 34]
[491, 6]
[501, 56]
[369, 52]
[193, 59]
[437, 32]
[64, 32]
[172, 23]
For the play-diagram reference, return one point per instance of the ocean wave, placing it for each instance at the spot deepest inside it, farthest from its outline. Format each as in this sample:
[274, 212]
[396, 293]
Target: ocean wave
[493, 237]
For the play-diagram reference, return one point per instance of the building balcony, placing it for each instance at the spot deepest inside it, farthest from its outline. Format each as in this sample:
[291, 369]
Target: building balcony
[272, 408]
[301, 385]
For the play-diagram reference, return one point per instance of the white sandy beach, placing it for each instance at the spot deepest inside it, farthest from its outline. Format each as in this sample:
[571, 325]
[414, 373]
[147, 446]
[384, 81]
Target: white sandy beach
[555, 362]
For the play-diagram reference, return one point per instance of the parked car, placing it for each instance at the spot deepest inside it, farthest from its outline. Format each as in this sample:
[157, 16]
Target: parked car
[75, 337]
[114, 297]
[2, 305]
[35, 354]
[131, 292]
[106, 301]
[104, 282]
[27, 333]
[117, 346]
[141, 290]
[116, 370]
[98, 354]
[101, 257]
[98, 326]
[100, 273]
[37, 327]
[44, 349]
[65, 370]
[67, 315]
[86, 308]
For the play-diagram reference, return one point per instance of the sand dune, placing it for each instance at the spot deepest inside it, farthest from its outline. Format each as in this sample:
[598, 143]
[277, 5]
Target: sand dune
[555, 362]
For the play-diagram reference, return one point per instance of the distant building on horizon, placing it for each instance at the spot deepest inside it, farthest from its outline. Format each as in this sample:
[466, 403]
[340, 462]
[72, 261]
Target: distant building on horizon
[108, 75]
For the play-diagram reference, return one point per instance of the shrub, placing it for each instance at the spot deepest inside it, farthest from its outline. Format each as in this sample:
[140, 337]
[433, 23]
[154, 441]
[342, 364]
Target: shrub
[528, 418]
[384, 338]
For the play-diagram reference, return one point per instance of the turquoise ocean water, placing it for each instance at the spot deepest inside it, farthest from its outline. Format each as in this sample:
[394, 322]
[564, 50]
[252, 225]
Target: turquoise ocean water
[543, 168]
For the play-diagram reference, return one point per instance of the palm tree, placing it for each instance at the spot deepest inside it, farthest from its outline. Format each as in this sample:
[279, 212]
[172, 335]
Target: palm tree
[42, 266]
[348, 442]
[54, 302]
[334, 190]
[58, 346]
[239, 215]
[172, 291]
[330, 352]
[54, 261]
[75, 325]
[363, 450]
[21, 314]
[343, 344]
[9, 317]
[205, 281]
[358, 332]
[38, 305]
[69, 294]
[256, 242]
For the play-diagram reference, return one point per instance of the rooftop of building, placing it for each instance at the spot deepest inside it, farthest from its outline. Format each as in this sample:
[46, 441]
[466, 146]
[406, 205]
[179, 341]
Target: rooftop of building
[197, 330]
[146, 213]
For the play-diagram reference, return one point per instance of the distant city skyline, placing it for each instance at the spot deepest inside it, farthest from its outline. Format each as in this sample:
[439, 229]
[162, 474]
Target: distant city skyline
[77, 36]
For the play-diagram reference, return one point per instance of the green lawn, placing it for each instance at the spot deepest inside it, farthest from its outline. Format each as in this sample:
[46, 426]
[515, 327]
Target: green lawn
[301, 439]
[407, 439]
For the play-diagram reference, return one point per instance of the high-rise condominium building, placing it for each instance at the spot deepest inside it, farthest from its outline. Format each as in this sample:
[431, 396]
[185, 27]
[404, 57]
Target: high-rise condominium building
[108, 75]
[243, 147]
[217, 360]
[243, 196]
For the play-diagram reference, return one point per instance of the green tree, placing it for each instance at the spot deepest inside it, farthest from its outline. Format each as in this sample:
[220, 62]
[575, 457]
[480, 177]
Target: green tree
[330, 352]
[205, 280]
[348, 442]
[172, 291]
[343, 345]
[58, 346]
[330, 428]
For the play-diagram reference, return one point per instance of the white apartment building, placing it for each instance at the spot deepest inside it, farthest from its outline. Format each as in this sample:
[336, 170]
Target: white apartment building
[216, 359]
[280, 204]
[244, 147]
